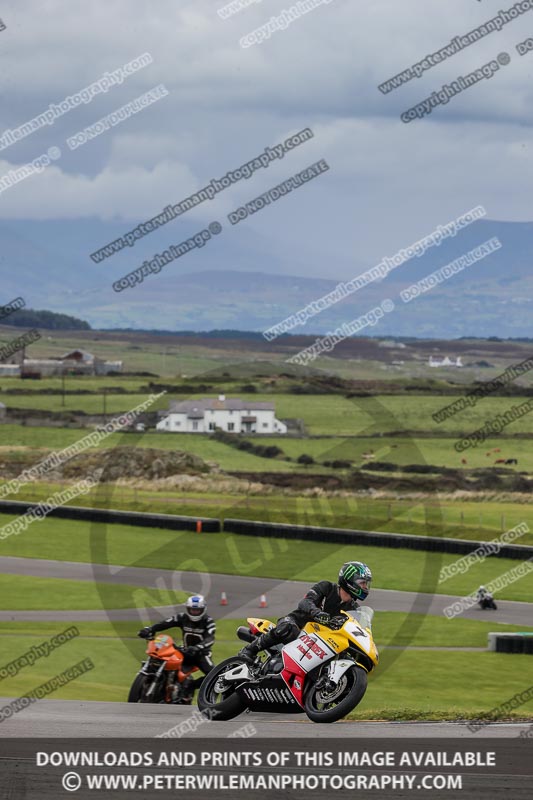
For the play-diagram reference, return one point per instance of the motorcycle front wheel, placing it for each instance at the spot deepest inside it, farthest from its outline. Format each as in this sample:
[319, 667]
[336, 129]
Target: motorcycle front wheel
[323, 706]
[218, 701]
[138, 690]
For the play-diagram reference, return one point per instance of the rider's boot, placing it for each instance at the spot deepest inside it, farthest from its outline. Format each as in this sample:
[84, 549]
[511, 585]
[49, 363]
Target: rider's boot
[187, 692]
[249, 653]
[263, 642]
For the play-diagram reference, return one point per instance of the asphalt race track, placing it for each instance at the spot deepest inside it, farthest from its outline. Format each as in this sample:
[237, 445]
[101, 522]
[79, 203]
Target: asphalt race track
[243, 594]
[73, 720]
[80, 718]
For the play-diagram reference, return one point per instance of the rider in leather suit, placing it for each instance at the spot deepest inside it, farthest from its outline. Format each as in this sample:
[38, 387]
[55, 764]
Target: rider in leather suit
[323, 602]
[198, 635]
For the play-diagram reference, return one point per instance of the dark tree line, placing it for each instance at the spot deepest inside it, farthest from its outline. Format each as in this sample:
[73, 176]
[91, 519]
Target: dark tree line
[47, 320]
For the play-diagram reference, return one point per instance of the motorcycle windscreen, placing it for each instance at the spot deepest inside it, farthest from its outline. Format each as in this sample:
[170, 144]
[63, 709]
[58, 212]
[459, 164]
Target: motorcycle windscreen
[363, 615]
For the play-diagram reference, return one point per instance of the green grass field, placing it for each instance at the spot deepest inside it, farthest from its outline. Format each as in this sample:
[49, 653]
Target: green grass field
[422, 685]
[155, 356]
[228, 458]
[88, 383]
[406, 684]
[332, 415]
[26, 593]
[355, 427]
[171, 356]
[90, 404]
[401, 569]
[391, 628]
[399, 450]
[423, 516]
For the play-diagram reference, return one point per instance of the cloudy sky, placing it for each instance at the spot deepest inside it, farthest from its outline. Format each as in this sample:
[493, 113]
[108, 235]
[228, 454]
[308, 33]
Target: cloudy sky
[389, 183]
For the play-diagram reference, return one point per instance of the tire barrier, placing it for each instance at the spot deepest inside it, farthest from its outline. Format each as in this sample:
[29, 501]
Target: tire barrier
[374, 538]
[511, 643]
[141, 519]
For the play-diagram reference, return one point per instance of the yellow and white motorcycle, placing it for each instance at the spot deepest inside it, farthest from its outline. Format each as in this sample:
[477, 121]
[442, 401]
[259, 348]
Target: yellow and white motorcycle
[322, 673]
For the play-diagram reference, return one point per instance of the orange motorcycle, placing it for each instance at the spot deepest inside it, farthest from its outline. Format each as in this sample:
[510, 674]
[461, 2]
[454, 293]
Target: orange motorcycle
[161, 678]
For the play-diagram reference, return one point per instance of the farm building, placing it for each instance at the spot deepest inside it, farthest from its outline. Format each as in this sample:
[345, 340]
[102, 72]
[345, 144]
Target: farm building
[88, 363]
[9, 370]
[227, 414]
[75, 361]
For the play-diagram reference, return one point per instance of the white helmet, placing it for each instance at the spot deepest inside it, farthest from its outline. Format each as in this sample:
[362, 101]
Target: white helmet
[195, 607]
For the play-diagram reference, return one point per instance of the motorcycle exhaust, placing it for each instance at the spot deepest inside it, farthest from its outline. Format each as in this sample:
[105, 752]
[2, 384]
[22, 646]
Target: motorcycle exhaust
[245, 634]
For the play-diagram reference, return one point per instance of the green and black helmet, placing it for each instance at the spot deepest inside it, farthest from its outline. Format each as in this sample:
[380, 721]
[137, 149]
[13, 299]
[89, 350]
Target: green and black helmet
[355, 578]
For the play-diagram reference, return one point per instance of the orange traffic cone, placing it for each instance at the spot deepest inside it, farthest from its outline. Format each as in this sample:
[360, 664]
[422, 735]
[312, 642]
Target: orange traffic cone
[263, 601]
[223, 599]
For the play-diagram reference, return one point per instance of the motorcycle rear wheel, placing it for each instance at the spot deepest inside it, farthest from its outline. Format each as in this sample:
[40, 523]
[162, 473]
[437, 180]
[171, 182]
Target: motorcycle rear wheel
[220, 706]
[317, 707]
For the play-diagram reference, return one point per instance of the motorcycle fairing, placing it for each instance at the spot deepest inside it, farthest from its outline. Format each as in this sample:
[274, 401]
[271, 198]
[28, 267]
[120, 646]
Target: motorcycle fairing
[162, 648]
[309, 650]
[353, 630]
[294, 677]
[262, 694]
[301, 656]
[269, 694]
[364, 641]
[259, 624]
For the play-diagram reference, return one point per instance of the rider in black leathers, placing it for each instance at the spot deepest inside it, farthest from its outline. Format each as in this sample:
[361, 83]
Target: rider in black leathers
[198, 636]
[323, 602]
[485, 599]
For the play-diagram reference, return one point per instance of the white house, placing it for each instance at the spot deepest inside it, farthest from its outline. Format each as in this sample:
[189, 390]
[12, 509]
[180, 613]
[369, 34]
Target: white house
[231, 414]
[445, 362]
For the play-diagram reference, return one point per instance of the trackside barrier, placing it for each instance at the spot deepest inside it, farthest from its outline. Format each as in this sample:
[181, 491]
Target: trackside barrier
[375, 538]
[511, 642]
[273, 529]
[168, 521]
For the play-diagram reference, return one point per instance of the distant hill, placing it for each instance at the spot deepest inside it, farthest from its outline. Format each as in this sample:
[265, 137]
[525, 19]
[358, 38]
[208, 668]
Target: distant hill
[215, 334]
[47, 320]
[237, 283]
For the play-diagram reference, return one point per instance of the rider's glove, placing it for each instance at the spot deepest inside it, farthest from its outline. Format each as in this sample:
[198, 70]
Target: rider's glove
[336, 623]
[145, 633]
[322, 618]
